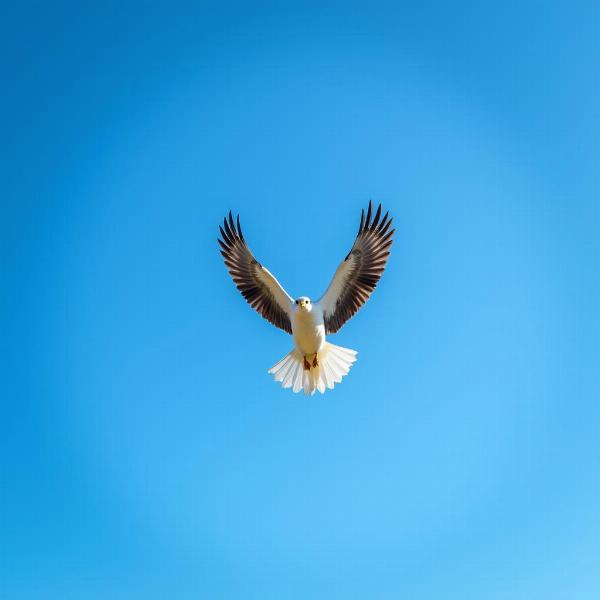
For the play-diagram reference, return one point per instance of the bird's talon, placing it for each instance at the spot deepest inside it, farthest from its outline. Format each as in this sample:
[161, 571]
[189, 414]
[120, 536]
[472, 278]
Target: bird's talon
[315, 362]
[306, 365]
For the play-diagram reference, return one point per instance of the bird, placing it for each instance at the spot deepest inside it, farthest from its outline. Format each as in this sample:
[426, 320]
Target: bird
[314, 363]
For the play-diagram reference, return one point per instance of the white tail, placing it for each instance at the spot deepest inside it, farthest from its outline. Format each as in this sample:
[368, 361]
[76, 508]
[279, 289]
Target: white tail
[334, 363]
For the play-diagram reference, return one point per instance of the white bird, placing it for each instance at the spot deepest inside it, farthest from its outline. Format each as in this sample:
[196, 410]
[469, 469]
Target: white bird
[314, 363]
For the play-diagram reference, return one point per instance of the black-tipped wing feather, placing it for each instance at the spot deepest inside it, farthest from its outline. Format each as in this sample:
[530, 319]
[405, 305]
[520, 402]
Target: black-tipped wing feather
[262, 291]
[360, 271]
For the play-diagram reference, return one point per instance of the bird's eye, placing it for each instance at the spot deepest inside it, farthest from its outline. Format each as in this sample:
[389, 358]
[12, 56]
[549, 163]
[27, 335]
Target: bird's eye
[297, 301]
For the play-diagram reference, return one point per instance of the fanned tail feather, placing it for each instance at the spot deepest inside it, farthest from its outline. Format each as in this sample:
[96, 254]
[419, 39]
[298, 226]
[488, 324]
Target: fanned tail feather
[334, 363]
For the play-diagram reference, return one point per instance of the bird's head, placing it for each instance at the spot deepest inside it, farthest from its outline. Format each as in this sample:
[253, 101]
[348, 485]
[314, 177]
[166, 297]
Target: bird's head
[303, 303]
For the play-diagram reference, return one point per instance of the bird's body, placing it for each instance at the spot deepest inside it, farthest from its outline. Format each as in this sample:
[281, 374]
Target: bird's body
[308, 328]
[313, 364]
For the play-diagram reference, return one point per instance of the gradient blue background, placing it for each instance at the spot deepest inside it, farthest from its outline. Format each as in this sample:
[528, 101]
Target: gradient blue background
[146, 453]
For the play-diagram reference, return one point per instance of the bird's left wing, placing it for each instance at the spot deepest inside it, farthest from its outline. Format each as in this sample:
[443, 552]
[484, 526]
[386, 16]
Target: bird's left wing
[359, 272]
[262, 291]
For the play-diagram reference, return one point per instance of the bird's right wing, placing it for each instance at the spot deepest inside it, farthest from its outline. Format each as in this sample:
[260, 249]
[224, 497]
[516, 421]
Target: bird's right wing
[262, 291]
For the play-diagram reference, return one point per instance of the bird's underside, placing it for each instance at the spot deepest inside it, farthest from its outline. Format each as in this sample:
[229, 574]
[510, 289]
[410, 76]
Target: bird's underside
[314, 363]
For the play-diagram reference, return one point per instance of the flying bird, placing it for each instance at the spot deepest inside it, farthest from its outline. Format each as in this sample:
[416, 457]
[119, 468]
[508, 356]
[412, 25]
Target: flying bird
[314, 363]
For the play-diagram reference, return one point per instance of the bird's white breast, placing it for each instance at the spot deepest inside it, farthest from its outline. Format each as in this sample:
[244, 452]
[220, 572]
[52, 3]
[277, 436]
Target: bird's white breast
[308, 330]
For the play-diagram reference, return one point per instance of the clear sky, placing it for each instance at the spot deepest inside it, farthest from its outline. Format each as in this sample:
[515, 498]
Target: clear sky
[144, 450]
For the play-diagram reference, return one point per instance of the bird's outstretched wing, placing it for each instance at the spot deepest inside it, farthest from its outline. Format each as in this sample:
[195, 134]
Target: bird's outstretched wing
[262, 291]
[358, 274]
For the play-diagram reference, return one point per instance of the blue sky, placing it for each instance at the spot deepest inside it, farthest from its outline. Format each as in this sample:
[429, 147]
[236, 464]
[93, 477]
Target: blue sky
[145, 452]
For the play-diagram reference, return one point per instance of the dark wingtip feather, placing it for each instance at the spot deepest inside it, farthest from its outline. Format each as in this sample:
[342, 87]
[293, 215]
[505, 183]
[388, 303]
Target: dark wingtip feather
[382, 230]
[226, 238]
[239, 228]
[231, 225]
[382, 224]
[369, 211]
[388, 235]
[228, 231]
[376, 219]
